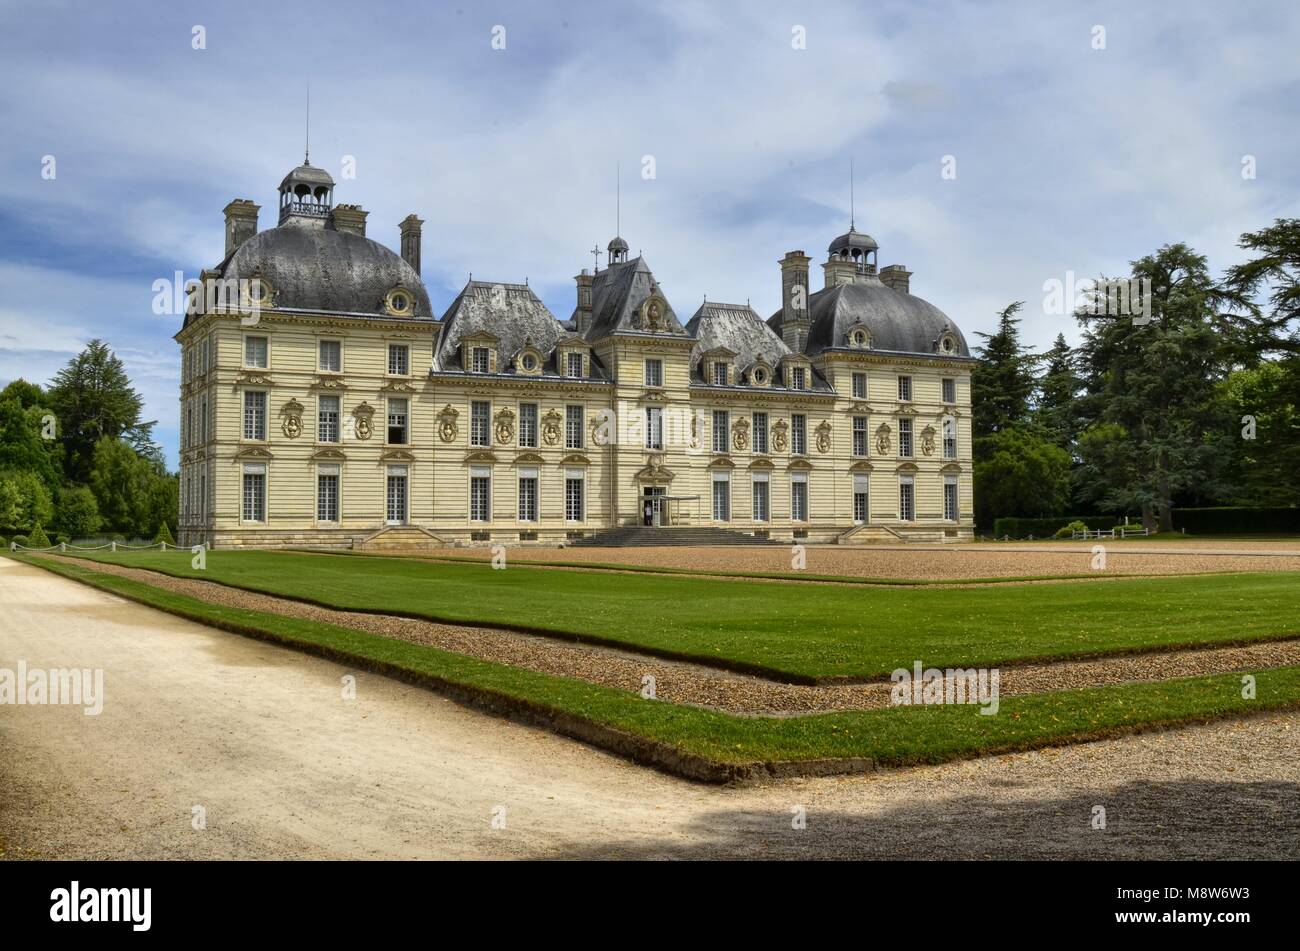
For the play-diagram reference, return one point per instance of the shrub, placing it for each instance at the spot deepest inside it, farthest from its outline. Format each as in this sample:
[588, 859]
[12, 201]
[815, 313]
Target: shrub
[164, 535]
[38, 538]
[1067, 531]
[1047, 527]
[19, 540]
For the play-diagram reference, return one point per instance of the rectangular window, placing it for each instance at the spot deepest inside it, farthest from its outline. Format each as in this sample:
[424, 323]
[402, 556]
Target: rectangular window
[480, 423]
[720, 425]
[254, 414]
[331, 356]
[397, 422]
[399, 359]
[573, 427]
[187, 431]
[905, 389]
[799, 497]
[327, 421]
[255, 352]
[949, 390]
[859, 386]
[760, 433]
[859, 435]
[203, 419]
[719, 374]
[950, 438]
[906, 500]
[860, 498]
[798, 434]
[395, 496]
[255, 493]
[760, 510]
[950, 498]
[654, 427]
[721, 497]
[527, 495]
[574, 496]
[327, 494]
[573, 364]
[654, 373]
[528, 425]
[479, 362]
[905, 438]
[798, 378]
[480, 494]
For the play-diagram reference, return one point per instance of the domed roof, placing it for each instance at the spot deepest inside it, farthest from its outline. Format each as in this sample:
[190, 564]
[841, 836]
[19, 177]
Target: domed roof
[319, 269]
[306, 174]
[618, 244]
[896, 321]
[854, 239]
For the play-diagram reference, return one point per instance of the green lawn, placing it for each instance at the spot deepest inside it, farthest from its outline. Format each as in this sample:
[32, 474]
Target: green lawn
[895, 736]
[797, 632]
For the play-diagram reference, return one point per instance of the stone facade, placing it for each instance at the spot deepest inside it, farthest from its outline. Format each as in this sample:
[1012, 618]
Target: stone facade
[339, 412]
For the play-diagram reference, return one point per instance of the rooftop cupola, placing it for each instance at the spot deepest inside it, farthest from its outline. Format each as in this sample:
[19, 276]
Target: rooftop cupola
[851, 256]
[307, 193]
[617, 251]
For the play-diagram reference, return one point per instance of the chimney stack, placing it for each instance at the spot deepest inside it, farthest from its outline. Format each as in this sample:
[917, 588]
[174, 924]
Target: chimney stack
[582, 313]
[794, 299]
[898, 277]
[241, 223]
[410, 227]
[350, 219]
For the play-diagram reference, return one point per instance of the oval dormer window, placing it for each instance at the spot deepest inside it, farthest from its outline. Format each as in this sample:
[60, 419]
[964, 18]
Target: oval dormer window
[399, 302]
[760, 376]
[859, 338]
[529, 362]
[947, 344]
[258, 290]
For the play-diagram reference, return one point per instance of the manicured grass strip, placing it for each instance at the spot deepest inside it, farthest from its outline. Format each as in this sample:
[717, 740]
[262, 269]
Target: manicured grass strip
[714, 745]
[792, 632]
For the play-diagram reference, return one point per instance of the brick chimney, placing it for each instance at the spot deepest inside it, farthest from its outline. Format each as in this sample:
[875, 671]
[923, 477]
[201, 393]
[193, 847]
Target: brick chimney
[350, 219]
[794, 300]
[410, 228]
[241, 223]
[897, 277]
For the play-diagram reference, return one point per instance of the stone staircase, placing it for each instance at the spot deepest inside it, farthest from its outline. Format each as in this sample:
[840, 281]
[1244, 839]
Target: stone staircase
[399, 537]
[643, 536]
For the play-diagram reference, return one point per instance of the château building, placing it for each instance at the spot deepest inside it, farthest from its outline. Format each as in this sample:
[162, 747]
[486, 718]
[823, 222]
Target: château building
[324, 402]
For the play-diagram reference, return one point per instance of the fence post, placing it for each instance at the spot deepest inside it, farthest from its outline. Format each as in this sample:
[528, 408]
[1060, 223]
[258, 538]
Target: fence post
[112, 546]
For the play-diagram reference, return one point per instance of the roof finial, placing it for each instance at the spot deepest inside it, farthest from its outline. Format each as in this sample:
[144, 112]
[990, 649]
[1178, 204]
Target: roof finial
[306, 148]
[851, 202]
[618, 199]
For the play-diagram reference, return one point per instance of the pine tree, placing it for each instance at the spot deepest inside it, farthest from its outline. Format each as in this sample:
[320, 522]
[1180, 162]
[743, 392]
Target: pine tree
[1002, 383]
[1056, 411]
[93, 399]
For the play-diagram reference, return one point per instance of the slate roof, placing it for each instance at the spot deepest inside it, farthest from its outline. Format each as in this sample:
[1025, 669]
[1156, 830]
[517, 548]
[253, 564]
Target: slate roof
[739, 329]
[313, 268]
[616, 294]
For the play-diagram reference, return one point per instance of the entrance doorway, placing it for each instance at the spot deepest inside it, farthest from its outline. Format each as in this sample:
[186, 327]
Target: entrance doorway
[652, 505]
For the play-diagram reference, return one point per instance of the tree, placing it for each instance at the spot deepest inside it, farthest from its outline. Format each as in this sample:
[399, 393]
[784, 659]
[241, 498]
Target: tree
[1021, 475]
[93, 399]
[22, 445]
[77, 514]
[1264, 403]
[1276, 267]
[120, 481]
[164, 535]
[24, 500]
[28, 394]
[1002, 383]
[1056, 410]
[1153, 387]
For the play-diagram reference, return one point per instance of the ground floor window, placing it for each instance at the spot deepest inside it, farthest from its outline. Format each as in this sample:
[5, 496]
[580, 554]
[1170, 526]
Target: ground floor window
[480, 495]
[799, 497]
[860, 498]
[906, 499]
[721, 497]
[327, 494]
[761, 513]
[574, 496]
[528, 495]
[396, 496]
[950, 498]
[255, 493]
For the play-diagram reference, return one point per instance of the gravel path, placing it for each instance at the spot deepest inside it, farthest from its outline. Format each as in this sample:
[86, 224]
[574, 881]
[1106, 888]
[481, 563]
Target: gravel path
[937, 563]
[285, 768]
[678, 682]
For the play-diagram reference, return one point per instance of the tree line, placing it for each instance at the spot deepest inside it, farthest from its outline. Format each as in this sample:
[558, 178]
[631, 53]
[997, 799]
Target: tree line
[1192, 404]
[77, 460]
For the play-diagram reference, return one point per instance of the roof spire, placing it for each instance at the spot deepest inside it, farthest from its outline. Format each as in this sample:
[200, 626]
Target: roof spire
[851, 202]
[618, 199]
[306, 148]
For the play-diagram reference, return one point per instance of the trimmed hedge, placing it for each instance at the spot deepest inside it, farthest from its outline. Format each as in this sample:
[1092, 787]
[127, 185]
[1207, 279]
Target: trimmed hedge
[1047, 527]
[1227, 520]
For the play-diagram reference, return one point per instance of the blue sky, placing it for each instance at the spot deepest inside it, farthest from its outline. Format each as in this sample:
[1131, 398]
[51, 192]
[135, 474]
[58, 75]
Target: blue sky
[1068, 158]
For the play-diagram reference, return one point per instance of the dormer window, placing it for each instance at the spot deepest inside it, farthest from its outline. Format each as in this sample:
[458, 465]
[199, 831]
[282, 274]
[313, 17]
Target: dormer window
[719, 373]
[798, 378]
[480, 359]
[759, 376]
[528, 362]
[573, 364]
[398, 302]
[860, 338]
